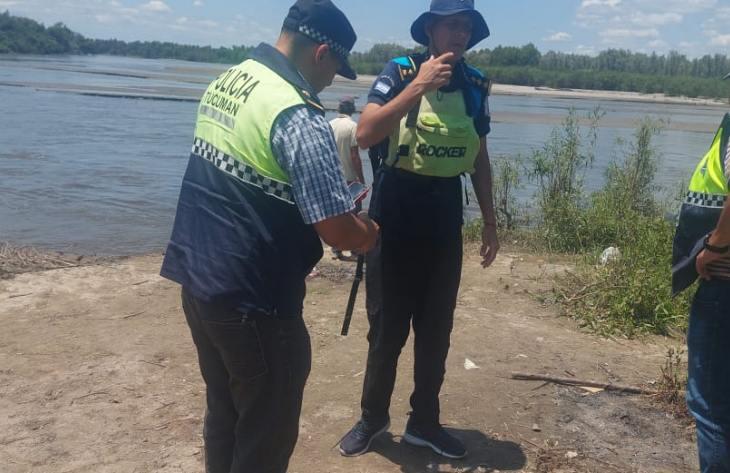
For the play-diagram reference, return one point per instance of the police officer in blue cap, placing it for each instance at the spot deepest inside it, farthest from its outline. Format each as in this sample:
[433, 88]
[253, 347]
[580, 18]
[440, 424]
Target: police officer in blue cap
[432, 111]
[262, 187]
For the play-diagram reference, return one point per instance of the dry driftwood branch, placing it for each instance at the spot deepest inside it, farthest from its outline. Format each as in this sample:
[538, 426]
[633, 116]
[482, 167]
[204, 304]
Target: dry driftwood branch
[97, 393]
[579, 382]
[134, 315]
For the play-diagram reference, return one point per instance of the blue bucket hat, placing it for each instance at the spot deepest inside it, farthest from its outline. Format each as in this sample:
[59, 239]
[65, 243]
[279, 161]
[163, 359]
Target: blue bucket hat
[442, 8]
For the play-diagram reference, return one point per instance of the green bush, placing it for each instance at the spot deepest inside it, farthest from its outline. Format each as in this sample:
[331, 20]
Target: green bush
[629, 295]
[506, 182]
[558, 170]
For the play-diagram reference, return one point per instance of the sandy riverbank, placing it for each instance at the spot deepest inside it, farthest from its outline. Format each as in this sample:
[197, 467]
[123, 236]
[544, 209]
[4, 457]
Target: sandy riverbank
[365, 81]
[98, 375]
[344, 87]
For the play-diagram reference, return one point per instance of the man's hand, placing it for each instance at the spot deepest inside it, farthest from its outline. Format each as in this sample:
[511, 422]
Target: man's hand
[435, 73]
[372, 235]
[490, 245]
[704, 259]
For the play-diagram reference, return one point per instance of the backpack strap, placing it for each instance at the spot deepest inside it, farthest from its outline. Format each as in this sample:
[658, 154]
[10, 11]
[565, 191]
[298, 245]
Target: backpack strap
[407, 67]
[480, 88]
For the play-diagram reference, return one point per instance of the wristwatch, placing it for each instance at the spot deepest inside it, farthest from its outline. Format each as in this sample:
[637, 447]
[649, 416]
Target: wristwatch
[715, 249]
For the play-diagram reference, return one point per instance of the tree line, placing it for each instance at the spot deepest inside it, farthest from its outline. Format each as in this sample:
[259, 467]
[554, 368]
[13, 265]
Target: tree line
[25, 36]
[613, 69]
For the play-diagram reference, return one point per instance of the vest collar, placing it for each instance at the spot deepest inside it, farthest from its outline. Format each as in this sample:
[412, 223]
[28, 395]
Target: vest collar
[272, 58]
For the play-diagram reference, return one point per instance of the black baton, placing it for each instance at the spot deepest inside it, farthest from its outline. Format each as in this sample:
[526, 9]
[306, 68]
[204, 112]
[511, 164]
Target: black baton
[353, 295]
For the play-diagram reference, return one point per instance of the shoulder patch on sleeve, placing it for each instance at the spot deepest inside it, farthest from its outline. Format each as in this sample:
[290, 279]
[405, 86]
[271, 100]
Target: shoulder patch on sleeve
[383, 85]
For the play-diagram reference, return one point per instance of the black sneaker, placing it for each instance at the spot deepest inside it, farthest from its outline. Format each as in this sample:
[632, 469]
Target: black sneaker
[437, 439]
[358, 439]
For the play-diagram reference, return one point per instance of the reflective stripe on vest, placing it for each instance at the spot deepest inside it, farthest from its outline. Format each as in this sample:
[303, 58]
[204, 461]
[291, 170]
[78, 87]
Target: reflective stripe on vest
[241, 170]
[235, 120]
[709, 184]
[441, 142]
[699, 199]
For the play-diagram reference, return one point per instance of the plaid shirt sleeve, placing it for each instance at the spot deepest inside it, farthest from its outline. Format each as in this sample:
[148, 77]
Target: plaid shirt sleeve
[304, 147]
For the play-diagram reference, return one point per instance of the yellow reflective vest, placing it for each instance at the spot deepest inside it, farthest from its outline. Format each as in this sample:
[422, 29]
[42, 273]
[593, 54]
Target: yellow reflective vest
[708, 191]
[235, 119]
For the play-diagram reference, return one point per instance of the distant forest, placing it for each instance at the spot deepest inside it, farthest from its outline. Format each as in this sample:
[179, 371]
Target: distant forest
[613, 69]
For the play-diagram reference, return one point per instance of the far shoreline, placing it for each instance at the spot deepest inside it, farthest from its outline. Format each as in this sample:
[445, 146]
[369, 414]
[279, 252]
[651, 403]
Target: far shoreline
[361, 86]
[365, 81]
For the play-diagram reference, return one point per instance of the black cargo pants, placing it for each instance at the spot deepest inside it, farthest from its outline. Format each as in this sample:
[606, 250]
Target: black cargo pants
[254, 367]
[413, 277]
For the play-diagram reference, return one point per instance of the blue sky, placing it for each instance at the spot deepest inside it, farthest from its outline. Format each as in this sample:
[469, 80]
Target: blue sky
[692, 27]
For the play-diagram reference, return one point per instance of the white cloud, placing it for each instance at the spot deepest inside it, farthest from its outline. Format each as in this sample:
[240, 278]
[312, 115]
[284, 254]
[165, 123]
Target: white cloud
[588, 50]
[720, 40]
[641, 24]
[658, 44]
[600, 3]
[104, 18]
[646, 13]
[198, 3]
[656, 19]
[559, 36]
[623, 33]
[717, 28]
[156, 6]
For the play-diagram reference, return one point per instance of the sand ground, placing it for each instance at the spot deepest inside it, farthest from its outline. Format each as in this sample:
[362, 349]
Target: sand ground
[98, 374]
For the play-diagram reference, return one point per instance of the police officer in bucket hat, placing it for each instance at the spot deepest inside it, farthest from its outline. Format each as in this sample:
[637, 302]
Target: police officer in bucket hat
[428, 114]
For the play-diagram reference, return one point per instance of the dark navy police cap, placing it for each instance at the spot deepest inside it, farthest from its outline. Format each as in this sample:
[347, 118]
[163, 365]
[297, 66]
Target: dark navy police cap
[441, 8]
[324, 23]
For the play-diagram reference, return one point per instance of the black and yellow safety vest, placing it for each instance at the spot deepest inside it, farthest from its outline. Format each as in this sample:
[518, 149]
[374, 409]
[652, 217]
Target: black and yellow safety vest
[703, 205]
[239, 239]
[437, 138]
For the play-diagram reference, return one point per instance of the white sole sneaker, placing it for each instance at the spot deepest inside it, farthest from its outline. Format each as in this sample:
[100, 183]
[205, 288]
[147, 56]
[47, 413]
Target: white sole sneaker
[419, 442]
[367, 447]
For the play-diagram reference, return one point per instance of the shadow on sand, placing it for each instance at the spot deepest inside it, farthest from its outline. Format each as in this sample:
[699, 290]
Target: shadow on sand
[485, 454]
